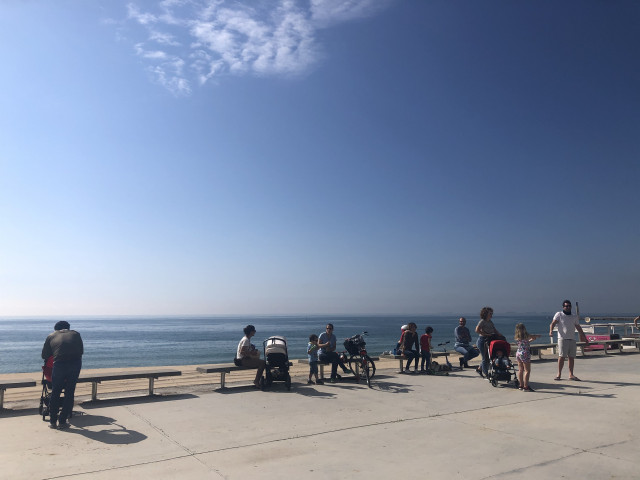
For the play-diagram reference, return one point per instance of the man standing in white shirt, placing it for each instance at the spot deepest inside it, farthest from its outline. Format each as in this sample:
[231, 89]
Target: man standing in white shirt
[567, 326]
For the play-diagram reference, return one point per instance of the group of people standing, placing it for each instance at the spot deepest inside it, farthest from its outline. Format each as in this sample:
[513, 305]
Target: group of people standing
[65, 347]
[566, 323]
[414, 348]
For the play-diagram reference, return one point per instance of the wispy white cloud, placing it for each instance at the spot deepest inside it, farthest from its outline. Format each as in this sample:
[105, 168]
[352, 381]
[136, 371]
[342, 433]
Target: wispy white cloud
[193, 41]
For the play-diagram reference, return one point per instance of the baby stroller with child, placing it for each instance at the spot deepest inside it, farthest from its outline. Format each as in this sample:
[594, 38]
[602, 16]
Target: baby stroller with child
[501, 369]
[45, 397]
[277, 360]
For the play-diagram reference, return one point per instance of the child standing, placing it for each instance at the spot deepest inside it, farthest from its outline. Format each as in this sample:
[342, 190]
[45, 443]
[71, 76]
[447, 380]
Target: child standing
[312, 352]
[523, 355]
[425, 349]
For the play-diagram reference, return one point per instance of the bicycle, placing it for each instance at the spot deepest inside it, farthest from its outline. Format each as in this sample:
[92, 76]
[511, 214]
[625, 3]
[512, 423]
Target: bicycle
[359, 361]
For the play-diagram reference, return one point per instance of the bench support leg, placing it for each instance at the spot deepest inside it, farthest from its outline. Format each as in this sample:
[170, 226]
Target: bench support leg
[1, 399]
[94, 391]
[222, 375]
[151, 380]
[401, 365]
[321, 371]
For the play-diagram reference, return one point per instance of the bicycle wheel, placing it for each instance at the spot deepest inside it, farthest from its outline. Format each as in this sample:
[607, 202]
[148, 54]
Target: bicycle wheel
[370, 369]
[367, 371]
[365, 367]
[355, 364]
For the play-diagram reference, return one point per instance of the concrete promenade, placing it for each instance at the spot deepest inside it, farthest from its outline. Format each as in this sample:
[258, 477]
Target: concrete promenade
[417, 426]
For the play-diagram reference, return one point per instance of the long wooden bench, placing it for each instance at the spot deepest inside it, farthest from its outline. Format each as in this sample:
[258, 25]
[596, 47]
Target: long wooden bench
[7, 384]
[619, 342]
[95, 379]
[402, 359]
[223, 370]
[536, 348]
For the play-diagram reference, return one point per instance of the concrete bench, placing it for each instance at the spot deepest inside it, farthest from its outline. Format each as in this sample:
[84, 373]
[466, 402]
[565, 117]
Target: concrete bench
[402, 359]
[7, 384]
[95, 379]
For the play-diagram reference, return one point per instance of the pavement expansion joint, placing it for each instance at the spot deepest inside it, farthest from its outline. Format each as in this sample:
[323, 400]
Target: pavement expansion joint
[160, 431]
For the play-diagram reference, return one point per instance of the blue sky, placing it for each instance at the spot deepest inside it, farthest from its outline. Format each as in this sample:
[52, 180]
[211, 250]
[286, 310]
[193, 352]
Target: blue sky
[318, 156]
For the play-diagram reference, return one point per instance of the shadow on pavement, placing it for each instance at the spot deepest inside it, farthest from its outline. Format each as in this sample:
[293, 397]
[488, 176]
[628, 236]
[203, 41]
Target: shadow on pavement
[103, 429]
[107, 402]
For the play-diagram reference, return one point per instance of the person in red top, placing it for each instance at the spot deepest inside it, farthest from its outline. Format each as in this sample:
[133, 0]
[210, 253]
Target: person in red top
[425, 349]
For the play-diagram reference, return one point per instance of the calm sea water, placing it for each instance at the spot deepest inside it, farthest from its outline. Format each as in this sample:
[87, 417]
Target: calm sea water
[152, 341]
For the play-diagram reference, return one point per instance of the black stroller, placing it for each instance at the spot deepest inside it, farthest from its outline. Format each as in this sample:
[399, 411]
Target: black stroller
[501, 370]
[277, 359]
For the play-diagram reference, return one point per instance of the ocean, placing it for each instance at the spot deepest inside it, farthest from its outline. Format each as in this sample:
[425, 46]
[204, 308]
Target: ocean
[153, 341]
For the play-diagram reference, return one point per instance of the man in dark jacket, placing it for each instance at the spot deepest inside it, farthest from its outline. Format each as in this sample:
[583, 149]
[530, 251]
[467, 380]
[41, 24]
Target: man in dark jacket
[66, 348]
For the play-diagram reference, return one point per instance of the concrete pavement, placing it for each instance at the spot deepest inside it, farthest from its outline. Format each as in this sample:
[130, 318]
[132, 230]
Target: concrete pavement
[455, 426]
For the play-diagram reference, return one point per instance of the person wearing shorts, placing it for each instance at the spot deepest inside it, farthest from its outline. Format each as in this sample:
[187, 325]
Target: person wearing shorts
[567, 348]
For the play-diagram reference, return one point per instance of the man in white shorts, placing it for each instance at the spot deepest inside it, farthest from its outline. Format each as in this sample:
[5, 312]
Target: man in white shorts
[567, 326]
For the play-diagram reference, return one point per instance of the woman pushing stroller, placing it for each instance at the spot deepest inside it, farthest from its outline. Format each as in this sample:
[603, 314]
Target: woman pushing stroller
[487, 331]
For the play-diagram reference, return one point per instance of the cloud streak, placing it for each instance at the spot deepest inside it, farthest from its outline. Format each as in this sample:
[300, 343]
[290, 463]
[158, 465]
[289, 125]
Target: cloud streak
[191, 42]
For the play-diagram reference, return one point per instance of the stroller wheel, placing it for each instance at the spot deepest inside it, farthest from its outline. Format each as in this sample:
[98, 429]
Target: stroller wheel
[494, 381]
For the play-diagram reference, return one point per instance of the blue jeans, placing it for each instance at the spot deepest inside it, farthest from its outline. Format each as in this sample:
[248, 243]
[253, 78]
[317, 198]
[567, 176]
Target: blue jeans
[482, 346]
[64, 376]
[469, 352]
[426, 359]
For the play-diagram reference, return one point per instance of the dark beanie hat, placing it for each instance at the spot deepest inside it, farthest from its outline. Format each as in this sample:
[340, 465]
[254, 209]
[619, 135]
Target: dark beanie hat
[62, 325]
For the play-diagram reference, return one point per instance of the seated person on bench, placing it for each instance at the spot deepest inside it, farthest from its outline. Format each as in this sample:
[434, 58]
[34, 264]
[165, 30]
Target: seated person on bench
[327, 353]
[463, 343]
[249, 356]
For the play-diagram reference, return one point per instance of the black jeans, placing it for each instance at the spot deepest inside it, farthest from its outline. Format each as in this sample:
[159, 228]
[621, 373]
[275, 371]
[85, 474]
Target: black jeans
[411, 354]
[64, 376]
[334, 359]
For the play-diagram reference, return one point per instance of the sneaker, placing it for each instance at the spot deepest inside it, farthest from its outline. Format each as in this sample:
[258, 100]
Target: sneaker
[479, 372]
[319, 382]
[53, 425]
[461, 360]
[338, 377]
[332, 380]
[63, 426]
[310, 382]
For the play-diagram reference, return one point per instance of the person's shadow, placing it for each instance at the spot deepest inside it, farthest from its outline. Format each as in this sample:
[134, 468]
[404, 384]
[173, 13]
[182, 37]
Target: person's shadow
[111, 433]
